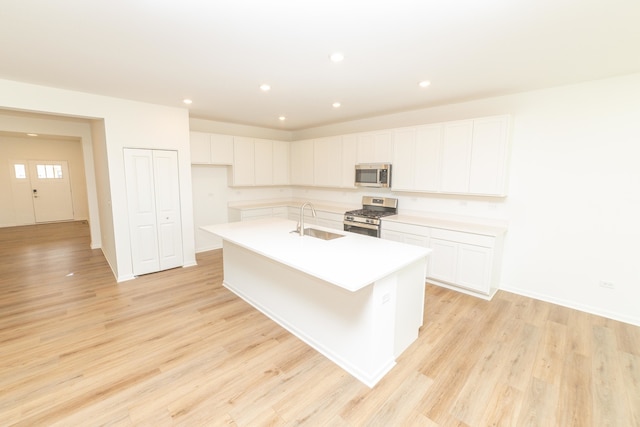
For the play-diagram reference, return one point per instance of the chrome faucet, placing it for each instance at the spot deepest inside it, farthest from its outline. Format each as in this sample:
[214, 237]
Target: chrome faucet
[300, 227]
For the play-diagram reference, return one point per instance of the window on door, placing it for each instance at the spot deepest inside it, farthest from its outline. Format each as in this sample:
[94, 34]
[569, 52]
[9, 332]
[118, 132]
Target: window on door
[49, 171]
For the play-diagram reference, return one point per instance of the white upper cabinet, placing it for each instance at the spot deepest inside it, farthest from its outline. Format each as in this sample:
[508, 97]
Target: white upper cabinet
[211, 148]
[200, 147]
[349, 160]
[375, 147]
[417, 158]
[428, 156]
[302, 163]
[488, 170]
[460, 157]
[263, 161]
[221, 149]
[243, 162]
[456, 156]
[280, 163]
[327, 162]
[404, 159]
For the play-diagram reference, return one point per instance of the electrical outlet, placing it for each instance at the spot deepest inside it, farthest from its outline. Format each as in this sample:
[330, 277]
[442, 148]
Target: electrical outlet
[607, 285]
[386, 298]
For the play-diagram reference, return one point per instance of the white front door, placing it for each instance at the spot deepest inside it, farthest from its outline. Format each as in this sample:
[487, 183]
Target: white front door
[21, 192]
[50, 190]
[153, 199]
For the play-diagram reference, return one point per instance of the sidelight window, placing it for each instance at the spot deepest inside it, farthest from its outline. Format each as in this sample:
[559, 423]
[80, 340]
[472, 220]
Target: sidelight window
[20, 171]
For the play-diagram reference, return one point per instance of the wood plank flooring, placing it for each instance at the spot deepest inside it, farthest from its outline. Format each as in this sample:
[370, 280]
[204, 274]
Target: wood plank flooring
[177, 348]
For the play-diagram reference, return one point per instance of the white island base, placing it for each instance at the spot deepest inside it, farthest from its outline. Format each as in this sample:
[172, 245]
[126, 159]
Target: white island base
[362, 329]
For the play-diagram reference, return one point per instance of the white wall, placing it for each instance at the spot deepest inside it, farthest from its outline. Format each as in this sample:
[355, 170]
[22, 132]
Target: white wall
[126, 124]
[211, 195]
[41, 148]
[574, 196]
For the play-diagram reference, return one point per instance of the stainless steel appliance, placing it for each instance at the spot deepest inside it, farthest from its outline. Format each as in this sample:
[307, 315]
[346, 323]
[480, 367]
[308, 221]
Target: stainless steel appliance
[367, 220]
[373, 175]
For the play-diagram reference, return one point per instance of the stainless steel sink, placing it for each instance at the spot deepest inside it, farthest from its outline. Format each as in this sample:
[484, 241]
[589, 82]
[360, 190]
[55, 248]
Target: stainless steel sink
[321, 234]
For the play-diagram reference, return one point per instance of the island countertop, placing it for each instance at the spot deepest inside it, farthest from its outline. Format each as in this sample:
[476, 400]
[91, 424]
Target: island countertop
[350, 262]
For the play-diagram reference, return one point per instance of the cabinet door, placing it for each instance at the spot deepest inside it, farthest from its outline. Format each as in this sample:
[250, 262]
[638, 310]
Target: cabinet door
[428, 157]
[349, 160]
[200, 147]
[243, 161]
[395, 236]
[489, 156]
[221, 149]
[474, 267]
[405, 158]
[456, 156]
[327, 162]
[263, 162]
[302, 162]
[281, 163]
[375, 147]
[442, 261]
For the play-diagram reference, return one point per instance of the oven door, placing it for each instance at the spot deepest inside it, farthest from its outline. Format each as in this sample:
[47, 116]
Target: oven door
[360, 228]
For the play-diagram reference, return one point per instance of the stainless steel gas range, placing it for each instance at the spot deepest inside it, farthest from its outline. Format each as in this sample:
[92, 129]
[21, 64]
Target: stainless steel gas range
[367, 220]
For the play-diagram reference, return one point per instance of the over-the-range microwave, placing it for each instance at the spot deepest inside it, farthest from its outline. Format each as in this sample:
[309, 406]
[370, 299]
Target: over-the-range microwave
[373, 175]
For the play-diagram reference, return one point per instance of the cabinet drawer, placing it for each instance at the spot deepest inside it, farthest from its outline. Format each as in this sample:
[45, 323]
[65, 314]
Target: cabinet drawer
[461, 237]
[406, 228]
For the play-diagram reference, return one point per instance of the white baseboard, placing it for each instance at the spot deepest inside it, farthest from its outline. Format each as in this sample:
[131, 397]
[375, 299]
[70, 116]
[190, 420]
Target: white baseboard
[572, 304]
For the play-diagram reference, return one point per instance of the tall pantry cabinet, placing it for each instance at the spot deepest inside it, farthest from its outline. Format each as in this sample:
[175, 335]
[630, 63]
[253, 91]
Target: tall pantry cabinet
[153, 200]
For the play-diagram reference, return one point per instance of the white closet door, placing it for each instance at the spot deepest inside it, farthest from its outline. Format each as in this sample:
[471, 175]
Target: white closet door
[168, 219]
[153, 199]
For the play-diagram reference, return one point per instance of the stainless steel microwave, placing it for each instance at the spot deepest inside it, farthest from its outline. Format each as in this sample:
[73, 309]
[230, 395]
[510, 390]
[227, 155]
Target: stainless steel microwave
[373, 175]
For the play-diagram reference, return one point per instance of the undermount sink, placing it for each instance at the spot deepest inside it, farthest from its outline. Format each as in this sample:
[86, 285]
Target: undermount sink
[321, 234]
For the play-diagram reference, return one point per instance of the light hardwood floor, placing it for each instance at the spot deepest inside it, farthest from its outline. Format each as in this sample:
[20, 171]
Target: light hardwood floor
[177, 348]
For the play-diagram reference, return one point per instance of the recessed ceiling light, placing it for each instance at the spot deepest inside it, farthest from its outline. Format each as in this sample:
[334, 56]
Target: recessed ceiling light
[424, 83]
[187, 101]
[32, 134]
[282, 118]
[336, 57]
[336, 105]
[265, 87]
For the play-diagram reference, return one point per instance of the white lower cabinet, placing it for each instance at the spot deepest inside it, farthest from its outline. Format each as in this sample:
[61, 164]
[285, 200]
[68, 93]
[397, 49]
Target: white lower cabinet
[460, 260]
[406, 233]
[462, 264]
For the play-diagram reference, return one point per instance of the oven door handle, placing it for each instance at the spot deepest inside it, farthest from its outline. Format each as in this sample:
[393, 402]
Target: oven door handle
[360, 224]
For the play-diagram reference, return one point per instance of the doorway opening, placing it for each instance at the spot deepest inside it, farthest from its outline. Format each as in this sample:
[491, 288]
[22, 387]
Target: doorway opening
[42, 191]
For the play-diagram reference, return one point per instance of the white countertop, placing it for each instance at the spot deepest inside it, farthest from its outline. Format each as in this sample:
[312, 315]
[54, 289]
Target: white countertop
[351, 262]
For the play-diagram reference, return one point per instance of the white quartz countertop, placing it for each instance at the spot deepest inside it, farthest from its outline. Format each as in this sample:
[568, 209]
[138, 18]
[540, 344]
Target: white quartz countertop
[351, 262]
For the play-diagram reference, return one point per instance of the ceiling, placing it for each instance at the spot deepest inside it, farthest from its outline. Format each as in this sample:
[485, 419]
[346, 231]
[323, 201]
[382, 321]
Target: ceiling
[218, 52]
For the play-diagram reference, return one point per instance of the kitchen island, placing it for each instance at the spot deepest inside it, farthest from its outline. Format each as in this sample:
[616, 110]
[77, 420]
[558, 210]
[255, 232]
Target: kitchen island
[357, 300]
